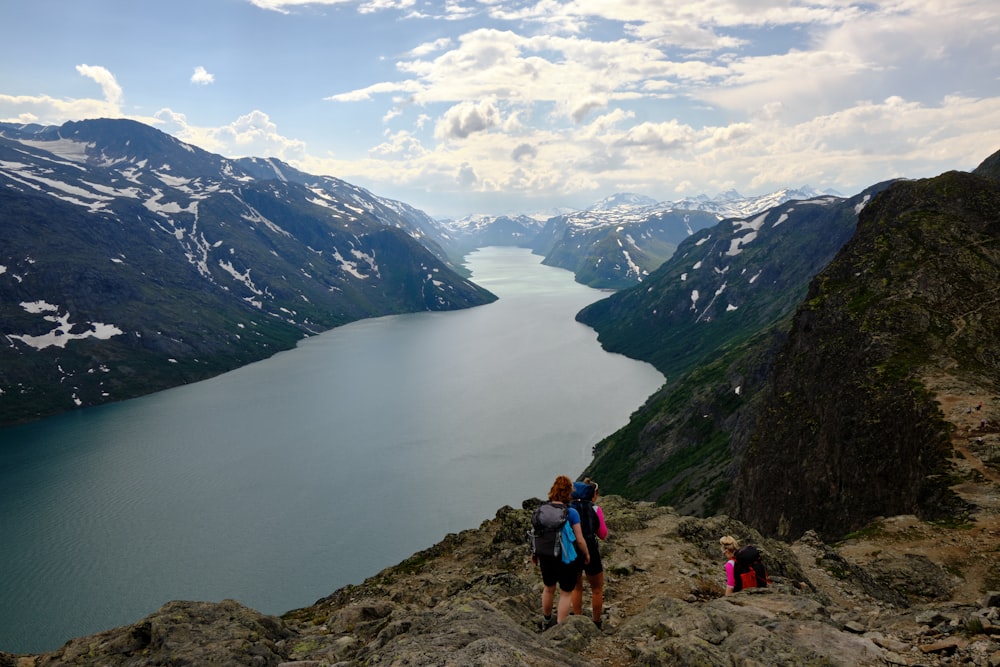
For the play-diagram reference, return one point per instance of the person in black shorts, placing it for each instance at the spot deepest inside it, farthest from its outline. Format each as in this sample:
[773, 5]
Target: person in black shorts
[554, 570]
[593, 527]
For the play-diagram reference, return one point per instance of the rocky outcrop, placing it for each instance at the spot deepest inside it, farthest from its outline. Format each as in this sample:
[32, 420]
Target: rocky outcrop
[890, 596]
[849, 429]
[711, 319]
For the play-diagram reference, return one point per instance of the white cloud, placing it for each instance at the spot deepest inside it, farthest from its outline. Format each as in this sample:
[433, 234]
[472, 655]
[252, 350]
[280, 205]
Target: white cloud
[112, 91]
[372, 6]
[467, 118]
[667, 136]
[399, 146]
[202, 77]
[523, 151]
[428, 48]
[44, 109]
[253, 134]
[367, 93]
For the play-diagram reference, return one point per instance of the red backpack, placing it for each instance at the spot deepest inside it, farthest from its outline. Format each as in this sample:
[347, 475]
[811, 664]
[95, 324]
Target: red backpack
[748, 569]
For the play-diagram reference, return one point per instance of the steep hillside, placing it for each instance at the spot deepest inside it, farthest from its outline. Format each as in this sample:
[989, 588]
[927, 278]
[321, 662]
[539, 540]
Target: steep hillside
[619, 241]
[847, 426]
[725, 283]
[850, 426]
[711, 319]
[131, 262]
[614, 249]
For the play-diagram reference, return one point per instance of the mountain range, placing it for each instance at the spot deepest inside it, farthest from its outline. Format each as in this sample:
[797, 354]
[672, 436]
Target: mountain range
[832, 380]
[131, 262]
[616, 242]
[804, 350]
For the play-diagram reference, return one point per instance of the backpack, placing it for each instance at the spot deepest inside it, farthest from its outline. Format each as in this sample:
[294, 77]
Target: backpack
[748, 569]
[588, 518]
[546, 527]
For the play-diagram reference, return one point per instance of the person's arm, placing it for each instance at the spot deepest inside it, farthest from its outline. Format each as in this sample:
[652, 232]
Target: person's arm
[602, 528]
[730, 577]
[581, 544]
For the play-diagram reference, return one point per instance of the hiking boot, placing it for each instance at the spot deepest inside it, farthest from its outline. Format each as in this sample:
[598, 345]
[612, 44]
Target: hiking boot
[546, 623]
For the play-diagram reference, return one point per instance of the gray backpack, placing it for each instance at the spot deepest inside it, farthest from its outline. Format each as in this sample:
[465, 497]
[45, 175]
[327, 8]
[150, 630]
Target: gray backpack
[546, 526]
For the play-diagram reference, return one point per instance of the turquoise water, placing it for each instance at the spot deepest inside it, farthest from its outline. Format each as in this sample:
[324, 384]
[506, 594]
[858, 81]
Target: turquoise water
[280, 482]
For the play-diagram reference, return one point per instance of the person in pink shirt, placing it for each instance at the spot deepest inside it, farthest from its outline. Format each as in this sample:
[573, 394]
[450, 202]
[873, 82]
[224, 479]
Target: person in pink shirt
[593, 527]
[729, 547]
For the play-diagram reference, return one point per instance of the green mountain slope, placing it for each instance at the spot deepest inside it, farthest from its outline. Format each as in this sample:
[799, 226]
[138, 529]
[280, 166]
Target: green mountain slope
[830, 422]
[711, 319]
[848, 429]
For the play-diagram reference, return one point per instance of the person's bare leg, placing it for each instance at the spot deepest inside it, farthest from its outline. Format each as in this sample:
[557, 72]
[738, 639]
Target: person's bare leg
[548, 596]
[565, 604]
[578, 595]
[597, 595]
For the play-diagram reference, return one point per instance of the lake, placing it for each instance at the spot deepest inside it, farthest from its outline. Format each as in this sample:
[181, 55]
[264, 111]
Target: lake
[282, 481]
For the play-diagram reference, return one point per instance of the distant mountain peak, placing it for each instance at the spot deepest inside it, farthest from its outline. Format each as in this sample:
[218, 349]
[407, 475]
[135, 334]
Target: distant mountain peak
[623, 199]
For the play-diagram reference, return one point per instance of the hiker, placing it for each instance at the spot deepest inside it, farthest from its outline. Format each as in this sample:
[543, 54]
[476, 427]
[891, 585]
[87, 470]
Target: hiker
[744, 566]
[729, 547]
[593, 527]
[554, 570]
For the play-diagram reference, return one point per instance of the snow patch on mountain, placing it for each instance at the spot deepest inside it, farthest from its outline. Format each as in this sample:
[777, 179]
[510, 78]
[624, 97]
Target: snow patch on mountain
[63, 332]
[68, 149]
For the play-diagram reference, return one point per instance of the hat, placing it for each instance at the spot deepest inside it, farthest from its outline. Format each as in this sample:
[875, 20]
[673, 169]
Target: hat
[583, 491]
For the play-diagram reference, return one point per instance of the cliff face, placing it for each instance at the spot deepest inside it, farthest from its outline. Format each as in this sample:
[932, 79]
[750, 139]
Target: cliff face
[711, 319]
[849, 428]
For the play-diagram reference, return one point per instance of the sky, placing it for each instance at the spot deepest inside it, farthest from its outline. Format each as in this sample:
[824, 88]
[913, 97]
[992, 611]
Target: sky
[522, 106]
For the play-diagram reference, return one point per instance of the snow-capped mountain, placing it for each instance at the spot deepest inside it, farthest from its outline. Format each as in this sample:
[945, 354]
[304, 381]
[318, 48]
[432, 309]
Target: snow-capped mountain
[131, 262]
[623, 200]
[614, 242]
[478, 231]
[726, 281]
[618, 241]
[731, 204]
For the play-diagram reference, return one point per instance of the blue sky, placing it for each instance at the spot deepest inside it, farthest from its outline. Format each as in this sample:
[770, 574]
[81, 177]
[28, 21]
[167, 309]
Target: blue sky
[494, 106]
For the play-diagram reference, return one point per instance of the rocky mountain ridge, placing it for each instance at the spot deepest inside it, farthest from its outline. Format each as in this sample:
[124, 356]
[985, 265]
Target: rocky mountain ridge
[910, 301]
[617, 241]
[620, 240]
[912, 295]
[710, 319]
[902, 591]
[131, 262]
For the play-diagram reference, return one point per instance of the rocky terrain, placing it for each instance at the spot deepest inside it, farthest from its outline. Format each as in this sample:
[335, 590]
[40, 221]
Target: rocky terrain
[902, 591]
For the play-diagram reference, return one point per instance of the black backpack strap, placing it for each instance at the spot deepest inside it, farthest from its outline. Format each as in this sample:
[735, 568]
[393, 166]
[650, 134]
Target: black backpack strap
[588, 517]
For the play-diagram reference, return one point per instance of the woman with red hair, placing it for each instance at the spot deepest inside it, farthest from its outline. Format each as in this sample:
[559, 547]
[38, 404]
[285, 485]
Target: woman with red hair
[554, 570]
